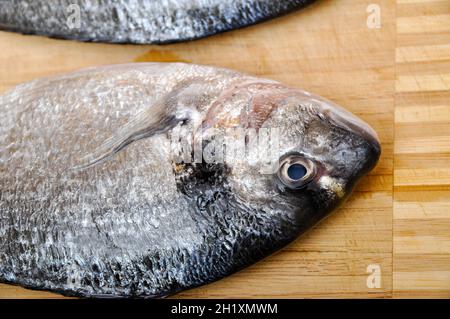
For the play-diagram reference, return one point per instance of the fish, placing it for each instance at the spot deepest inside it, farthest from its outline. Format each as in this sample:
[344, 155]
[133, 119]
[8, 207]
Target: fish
[102, 195]
[138, 21]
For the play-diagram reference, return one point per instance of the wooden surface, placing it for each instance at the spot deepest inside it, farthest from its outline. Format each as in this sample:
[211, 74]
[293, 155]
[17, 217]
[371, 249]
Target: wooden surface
[422, 150]
[396, 77]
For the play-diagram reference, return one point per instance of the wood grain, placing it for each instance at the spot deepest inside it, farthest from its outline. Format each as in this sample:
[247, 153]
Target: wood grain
[421, 265]
[329, 50]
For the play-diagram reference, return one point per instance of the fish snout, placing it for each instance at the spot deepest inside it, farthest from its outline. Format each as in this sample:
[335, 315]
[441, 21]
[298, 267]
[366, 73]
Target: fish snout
[346, 120]
[366, 143]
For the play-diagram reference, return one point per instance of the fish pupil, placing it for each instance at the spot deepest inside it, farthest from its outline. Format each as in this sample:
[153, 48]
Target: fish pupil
[296, 171]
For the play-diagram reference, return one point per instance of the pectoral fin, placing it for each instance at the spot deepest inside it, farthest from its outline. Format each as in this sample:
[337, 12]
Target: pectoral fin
[144, 125]
[181, 105]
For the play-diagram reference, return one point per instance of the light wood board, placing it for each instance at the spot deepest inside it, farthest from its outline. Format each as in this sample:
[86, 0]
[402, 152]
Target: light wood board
[395, 77]
[422, 151]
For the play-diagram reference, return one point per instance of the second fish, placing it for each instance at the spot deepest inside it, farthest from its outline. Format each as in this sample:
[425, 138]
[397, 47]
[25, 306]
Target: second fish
[138, 21]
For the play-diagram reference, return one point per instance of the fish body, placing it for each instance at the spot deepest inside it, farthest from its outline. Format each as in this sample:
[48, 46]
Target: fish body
[94, 203]
[137, 21]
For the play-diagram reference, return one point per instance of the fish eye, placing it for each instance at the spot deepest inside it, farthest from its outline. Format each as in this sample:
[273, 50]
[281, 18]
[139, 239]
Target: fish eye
[295, 171]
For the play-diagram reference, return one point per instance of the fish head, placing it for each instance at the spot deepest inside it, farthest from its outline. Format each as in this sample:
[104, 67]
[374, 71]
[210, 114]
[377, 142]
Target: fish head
[316, 152]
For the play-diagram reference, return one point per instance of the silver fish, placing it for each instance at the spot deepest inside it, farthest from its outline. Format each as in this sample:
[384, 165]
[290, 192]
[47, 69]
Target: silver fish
[137, 21]
[94, 202]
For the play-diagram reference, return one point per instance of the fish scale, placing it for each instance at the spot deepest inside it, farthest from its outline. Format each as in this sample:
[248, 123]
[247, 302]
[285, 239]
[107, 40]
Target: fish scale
[94, 204]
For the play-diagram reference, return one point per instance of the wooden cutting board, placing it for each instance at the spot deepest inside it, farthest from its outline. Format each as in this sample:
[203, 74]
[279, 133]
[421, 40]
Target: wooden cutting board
[396, 77]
